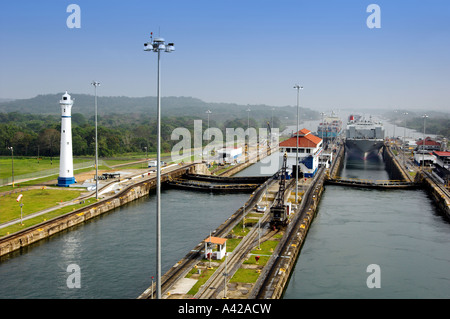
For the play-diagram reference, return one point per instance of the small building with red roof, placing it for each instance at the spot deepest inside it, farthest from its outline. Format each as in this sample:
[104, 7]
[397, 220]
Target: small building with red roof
[428, 144]
[215, 247]
[309, 149]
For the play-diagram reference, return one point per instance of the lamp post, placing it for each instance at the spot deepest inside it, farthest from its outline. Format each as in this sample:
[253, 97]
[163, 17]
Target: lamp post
[323, 124]
[404, 136]
[272, 116]
[423, 141]
[12, 164]
[225, 277]
[394, 124]
[146, 156]
[95, 84]
[247, 149]
[208, 112]
[158, 45]
[298, 87]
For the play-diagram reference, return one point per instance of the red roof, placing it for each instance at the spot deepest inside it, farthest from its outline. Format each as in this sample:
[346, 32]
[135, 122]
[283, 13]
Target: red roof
[428, 141]
[305, 139]
[215, 240]
[302, 132]
[444, 154]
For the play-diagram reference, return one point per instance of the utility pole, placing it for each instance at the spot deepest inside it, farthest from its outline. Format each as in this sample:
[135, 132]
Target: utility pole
[12, 164]
[158, 45]
[298, 87]
[95, 84]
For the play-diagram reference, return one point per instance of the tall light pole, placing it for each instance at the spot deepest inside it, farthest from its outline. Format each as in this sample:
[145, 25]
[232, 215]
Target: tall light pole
[158, 45]
[298, 87]
[272, 116]
[247, 149]
[12, 164]
[95, 84]
[394, 123]
[146, 156]
[208, 112]
[404, 136]
[423, 141]
[323, 124]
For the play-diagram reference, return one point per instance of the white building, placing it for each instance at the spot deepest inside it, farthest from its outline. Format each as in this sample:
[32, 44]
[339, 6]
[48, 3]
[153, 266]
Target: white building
[66, 158]
[229, 154]
[424, 156]
[442, 159]
[442, 167]
[215, 247]
[309, 150]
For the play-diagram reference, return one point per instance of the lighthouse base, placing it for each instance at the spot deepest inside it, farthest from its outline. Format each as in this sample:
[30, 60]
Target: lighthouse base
[66, 181]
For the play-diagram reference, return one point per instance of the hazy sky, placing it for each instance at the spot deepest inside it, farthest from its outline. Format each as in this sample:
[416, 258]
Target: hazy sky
[238, 51]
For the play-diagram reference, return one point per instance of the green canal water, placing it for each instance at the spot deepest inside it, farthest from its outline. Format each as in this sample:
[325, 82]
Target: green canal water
[400, 231]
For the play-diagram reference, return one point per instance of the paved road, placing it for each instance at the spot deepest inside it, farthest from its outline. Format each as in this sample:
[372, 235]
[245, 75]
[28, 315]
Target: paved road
[102, 186]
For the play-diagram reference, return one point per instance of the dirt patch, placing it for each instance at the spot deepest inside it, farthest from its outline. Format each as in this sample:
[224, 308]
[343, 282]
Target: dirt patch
[81, 177]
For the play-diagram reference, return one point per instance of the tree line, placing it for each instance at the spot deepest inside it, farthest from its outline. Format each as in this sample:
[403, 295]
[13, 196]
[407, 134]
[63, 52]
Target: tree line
[39, 135]
[437, 122]
[436, 126]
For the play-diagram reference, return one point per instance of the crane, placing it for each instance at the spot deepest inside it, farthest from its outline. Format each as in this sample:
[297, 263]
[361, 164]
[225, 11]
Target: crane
[269, 136]
[279, 209]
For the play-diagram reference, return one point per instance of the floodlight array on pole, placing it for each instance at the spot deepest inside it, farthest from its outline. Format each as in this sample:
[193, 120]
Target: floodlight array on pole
[95, 84]
[12, 163]
[404, 136]
[158, 45]
[423, 142]
[208, 137]
[298, 87]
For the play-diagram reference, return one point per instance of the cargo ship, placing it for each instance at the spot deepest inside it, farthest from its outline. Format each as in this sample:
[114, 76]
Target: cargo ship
[364, 138]
[330, 128]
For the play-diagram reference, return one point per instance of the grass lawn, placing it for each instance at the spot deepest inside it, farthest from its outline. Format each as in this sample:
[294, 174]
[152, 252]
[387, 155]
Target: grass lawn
[202, 278]
[33, 201]
[232, 243]
[267, 249]
[44, 217]
[26, 165]
[46, 179]
[238, 230]
[245, 275]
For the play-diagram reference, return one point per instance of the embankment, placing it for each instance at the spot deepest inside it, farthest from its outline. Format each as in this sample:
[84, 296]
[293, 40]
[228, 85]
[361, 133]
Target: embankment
[436, 191]
[48, 228]
[275, 276]
[394, 168]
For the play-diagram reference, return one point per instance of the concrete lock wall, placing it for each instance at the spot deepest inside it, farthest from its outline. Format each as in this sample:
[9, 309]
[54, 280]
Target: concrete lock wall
[48, 228]
[296, 245]
[338, 160]
[438, 196]
[393, 167]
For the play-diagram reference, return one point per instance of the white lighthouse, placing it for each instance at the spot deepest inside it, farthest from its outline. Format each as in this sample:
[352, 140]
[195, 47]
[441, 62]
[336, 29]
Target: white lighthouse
[66, 158]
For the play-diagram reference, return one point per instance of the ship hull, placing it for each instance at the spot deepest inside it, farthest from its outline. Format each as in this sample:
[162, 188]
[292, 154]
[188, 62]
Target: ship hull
[363, 149]
[328, 135]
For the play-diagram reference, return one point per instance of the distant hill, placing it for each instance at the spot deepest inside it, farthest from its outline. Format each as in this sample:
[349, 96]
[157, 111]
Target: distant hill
[5, 100]
[171, 106]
